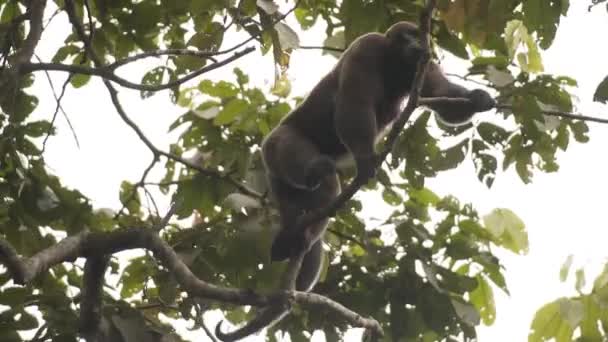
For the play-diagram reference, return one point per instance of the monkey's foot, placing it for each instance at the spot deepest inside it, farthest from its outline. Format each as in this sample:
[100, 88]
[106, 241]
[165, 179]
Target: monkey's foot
[318, 169]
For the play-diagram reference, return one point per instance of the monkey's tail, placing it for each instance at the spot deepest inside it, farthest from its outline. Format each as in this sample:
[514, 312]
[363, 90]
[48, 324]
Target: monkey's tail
[266, 317]
[307, 278]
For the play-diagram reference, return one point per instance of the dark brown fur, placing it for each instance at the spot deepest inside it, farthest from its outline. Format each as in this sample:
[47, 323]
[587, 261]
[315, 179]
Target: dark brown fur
[344, 113]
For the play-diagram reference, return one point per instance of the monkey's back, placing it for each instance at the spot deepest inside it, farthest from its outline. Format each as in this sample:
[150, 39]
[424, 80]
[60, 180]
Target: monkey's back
[314, 117]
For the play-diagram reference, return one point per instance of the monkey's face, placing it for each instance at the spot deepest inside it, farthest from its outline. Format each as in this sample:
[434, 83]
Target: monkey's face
[405, 39]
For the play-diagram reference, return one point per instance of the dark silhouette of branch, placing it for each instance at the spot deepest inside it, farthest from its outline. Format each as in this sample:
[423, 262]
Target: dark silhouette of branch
[92, 293]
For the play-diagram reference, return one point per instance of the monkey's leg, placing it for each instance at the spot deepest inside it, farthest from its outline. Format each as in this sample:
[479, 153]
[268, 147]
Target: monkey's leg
[292, 204]
[294, 159]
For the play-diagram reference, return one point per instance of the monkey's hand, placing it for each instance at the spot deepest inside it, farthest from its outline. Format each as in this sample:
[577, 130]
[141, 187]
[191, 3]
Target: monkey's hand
[481, 100]
[319, 169]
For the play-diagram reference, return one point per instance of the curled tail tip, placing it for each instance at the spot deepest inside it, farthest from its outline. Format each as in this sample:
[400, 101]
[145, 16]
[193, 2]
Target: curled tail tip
[224, 337]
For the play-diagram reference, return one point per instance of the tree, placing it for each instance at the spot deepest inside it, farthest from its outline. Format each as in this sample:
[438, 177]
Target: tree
[433, 280]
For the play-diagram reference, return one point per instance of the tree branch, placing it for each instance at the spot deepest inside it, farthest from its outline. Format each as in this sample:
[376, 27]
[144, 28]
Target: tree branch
[92, 293]
[93, 245]
[559, 114]
[107, 74]
[26, 52]
[427, 101]
[324, 48]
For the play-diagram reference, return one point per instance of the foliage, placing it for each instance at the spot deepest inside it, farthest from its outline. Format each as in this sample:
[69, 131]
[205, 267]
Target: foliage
[428, 273]
[578, 318]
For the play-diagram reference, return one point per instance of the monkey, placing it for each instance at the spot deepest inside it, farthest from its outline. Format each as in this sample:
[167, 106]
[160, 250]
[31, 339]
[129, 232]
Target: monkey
[344, 114]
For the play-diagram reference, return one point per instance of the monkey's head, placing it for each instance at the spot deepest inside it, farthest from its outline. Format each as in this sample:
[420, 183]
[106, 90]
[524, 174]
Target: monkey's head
[405, 39]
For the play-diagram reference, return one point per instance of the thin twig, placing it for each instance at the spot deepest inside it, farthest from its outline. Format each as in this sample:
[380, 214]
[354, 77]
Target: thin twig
[559, 114]
[325, 48]
[459, 100]
[107, 74]
[59, 108]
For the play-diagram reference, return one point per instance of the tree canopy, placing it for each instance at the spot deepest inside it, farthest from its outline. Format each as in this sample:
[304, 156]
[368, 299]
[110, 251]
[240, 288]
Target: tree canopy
[428, 272]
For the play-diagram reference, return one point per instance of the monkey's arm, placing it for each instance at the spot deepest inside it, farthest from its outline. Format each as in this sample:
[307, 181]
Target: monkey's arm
[355, 113]
[437, 85]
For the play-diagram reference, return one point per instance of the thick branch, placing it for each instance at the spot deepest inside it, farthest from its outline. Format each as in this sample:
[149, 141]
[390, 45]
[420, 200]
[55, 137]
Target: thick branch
[92, 293]
[93, 245]
[25, 53]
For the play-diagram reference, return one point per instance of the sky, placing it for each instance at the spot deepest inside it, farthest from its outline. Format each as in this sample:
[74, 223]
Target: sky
[564, 212]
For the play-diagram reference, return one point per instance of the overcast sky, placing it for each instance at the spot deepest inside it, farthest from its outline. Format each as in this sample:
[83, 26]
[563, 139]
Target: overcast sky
[565, 212]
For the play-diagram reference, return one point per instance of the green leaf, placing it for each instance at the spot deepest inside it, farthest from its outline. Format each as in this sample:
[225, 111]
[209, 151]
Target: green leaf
[145, 17]
[79, 80]
[423, 196]
[580, 280]
[543, 17]
[13, 296]
[134, 277]
[493, 134]
[221, 89]
[589, 325]
[579, 130]
[231, 111]
[64, 52]
[451, 42]
[391, 197]
[37, 128]
[565, 269]
[516, 38]
[467, 312]
[25, 321]
[305, 17]
[508, 230]
[335, 41]
[483, 299]
[129, 197]
[601, 93]
[548, 323]
[153, 77]
[19, 107]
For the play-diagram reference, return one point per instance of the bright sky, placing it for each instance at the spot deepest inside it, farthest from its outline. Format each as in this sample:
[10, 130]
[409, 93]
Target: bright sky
[564, 211]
